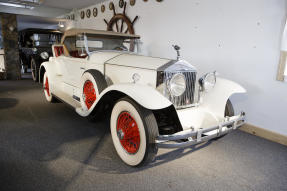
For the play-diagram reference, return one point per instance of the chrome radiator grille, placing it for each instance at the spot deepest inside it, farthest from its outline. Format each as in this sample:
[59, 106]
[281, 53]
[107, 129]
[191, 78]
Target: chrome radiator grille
[188, 98]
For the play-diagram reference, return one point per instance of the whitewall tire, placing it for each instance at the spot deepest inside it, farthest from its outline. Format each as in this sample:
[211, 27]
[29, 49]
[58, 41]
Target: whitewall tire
[47, 88]
[133, 130]
[89, 91]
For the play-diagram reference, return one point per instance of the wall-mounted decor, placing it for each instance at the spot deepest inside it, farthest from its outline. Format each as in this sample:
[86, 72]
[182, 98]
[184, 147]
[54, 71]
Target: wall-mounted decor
[132, 2]
[103, 8]
[126, 25]
[95, 12]
[88, 13]
[111, 5]
[121, 3]
[82, 14]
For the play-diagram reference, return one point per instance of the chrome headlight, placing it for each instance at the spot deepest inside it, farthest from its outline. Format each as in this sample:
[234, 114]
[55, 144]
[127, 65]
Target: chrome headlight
[177, 85]
[34, 50]
[208, 81]
[44, 55]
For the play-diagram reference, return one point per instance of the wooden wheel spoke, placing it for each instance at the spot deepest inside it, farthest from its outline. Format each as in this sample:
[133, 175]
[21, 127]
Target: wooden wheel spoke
[106, 21]
[115, 25]
[135, 19]
[122, 25]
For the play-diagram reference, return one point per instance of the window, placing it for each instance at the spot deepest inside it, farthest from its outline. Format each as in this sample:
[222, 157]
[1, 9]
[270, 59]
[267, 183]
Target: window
[73, 49]
[282, 69]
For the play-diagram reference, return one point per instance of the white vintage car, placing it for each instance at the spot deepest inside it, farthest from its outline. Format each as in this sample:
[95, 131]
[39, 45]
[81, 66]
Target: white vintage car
[151, 102]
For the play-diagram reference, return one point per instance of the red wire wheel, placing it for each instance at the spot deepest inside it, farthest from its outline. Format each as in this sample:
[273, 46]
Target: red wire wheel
[89, 94]
[128, 133]
[46, 87]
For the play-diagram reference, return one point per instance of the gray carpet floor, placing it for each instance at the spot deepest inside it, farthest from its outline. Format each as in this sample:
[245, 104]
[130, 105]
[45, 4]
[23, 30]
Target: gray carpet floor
[47, 146]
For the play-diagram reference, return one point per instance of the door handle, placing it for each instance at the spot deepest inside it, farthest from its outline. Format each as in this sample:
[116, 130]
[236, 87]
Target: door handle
[82, 68]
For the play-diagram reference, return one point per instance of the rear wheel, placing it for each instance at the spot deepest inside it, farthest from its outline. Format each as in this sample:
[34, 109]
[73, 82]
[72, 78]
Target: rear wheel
[47, 90]
[134, 130]
[93, 83]
[34, 70]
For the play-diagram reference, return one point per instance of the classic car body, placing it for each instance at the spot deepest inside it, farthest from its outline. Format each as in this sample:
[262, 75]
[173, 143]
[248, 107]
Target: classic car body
[151, 102]
[35, 47]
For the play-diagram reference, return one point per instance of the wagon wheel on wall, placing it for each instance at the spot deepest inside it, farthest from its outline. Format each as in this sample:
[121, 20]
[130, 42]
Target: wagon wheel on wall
[120, 22]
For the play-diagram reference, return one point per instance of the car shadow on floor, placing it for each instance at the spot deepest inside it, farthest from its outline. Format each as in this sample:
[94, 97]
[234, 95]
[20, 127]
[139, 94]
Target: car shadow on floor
[20, 173]
[103, 158]
[119, 167]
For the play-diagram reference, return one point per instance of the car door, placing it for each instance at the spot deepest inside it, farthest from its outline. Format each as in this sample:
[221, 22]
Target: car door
[68, 71]
[74, 68]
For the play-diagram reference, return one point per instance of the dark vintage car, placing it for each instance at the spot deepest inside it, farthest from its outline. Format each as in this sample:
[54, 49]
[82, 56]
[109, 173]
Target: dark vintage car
[35, 47]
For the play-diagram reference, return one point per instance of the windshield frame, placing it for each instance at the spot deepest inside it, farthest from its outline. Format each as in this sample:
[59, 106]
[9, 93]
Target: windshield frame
[131, 49]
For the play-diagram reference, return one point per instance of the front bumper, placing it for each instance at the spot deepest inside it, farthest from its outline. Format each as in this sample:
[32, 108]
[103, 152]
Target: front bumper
[194, 137]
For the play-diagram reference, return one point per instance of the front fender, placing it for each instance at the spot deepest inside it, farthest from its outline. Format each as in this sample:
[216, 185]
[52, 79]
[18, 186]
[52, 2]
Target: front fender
[144, 95]
[216, 99]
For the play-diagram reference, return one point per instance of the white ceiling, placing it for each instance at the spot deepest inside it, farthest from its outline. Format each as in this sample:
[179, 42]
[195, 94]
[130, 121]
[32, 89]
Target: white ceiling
[70, 4]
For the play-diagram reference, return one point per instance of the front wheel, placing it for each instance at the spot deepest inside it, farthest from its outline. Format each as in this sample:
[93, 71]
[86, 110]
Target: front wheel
[134, 130]
[229, 111]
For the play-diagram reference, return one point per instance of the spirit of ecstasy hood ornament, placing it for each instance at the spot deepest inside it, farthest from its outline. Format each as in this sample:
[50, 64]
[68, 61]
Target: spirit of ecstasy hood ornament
[177, 48]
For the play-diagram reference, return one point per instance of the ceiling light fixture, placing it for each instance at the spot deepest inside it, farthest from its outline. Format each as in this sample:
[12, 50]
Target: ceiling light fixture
[16, 5]
[61, 24]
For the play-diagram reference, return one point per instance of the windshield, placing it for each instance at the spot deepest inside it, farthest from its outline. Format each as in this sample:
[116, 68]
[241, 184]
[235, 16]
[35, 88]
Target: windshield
[93, 43]
[82, 45]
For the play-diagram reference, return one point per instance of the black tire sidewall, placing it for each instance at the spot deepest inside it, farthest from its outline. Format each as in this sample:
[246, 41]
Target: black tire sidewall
[35, 74]
[229, 110]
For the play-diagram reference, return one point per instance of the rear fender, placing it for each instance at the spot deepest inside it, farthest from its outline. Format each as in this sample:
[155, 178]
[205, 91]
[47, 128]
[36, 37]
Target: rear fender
[43, 68]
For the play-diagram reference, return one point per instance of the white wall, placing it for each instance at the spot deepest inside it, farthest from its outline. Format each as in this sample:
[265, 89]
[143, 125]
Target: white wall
[238, 38]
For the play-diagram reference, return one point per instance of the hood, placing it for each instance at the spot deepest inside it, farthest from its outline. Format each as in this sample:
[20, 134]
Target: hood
[138, 61]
